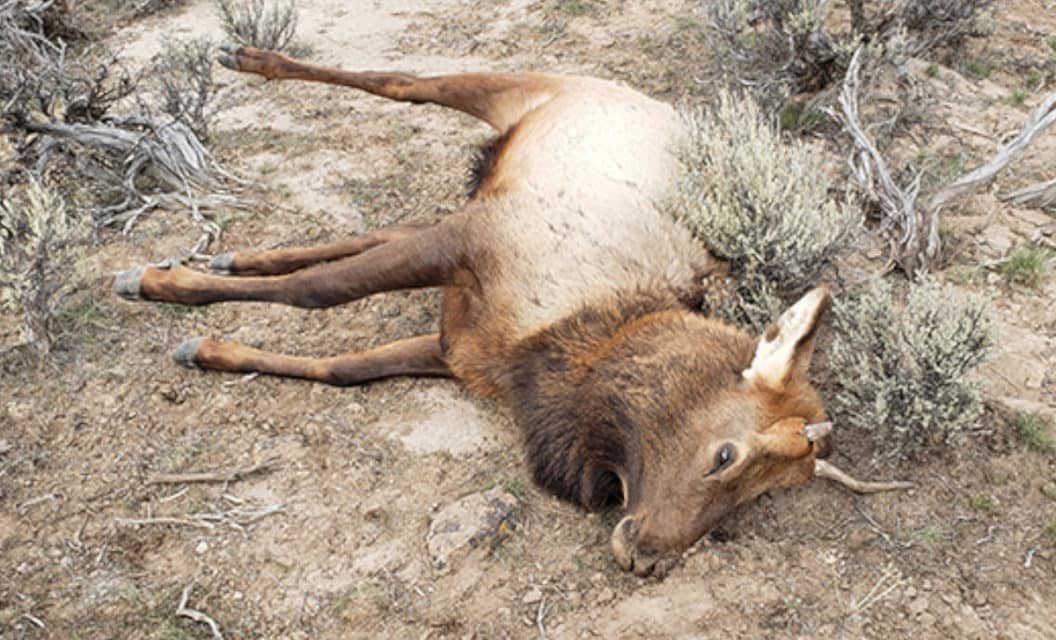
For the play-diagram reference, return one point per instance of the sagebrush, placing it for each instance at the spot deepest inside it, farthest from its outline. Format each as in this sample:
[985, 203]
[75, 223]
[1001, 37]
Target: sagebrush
[39, 242]
[760, 203]
[183, 73]
[780, 48]
[904, 373]
[259, 23]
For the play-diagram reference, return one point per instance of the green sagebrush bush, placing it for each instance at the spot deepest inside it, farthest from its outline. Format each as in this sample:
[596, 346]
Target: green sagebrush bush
[39, 239]
[903, 374]
[760, 203]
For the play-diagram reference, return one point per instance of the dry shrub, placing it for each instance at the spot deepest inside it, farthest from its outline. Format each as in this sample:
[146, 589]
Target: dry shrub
[904, 374]
[39, 242]
[59, 103]
[780, 48]
[259, 23]
[183, 72]
[760, 203]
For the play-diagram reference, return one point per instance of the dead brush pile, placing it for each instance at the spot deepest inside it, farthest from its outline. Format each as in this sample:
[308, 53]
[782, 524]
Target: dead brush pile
[93, 137]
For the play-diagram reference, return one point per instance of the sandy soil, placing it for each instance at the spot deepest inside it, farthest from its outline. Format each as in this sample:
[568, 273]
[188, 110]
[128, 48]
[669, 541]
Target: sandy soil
[362, 472]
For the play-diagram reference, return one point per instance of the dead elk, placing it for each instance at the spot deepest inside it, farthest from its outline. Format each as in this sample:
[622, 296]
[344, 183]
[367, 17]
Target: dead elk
[570, 296]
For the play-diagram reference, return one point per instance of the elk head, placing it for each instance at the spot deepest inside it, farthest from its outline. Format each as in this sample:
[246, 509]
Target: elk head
[750, 429]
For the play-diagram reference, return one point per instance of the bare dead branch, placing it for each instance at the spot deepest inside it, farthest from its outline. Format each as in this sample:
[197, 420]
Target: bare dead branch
[214, 476]
[873, 177]
[182, 610]
[1043, 117]
[1041, 196]
[827, 470]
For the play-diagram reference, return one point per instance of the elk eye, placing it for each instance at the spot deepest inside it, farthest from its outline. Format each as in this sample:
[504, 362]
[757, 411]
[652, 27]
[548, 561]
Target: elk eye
[723, 457]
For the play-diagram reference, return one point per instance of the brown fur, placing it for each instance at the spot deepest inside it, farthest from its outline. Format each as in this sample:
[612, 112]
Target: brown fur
[568, 294]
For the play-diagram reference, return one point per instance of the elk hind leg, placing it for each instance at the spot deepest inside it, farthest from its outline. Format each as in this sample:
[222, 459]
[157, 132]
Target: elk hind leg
[418, 356]
[500, 99]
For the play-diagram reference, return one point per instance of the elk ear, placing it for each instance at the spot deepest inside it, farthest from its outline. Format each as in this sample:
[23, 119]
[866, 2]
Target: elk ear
[788, 343]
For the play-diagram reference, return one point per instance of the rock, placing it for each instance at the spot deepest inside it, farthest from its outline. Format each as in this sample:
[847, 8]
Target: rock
[919, 606]
[910, 593]
[926, 620]
[533, 596]
[202, 547]
[604, 596]
[998, 238]
[472, 521]
[1049, 490]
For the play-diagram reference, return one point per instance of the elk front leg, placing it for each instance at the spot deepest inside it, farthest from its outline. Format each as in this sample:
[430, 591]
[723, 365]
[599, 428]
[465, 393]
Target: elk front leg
[500, 99]
[419, 356]
[425, 259]
[279, 261]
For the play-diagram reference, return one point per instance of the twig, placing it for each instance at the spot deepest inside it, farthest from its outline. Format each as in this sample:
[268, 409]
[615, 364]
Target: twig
[540, 618]
[23, 507]
[184, 522]
[988, 537]
[1030, 557]
[35, 620]
[971, 129]
[238, 518]
[184, 611]
[213, 476]
[872, 523]
[873, 596]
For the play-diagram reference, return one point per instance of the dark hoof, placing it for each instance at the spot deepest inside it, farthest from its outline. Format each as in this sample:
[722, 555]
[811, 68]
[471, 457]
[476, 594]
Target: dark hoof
[184, 354]
[229, 47]
[221, 264]
[126, 284]
[228, 60]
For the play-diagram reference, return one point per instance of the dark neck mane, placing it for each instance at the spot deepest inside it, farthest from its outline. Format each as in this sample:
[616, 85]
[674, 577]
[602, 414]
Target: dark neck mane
[579, 436]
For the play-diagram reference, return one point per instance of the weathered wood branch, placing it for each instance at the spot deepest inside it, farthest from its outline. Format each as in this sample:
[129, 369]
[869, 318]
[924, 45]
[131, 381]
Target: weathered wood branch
[873, 176]
[1041, 196]
[1043, 117]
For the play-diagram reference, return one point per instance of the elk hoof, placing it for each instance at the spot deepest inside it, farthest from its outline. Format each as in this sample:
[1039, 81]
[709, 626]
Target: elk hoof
[184, 354]
[229, 55]
[126, 284]
[221, 264]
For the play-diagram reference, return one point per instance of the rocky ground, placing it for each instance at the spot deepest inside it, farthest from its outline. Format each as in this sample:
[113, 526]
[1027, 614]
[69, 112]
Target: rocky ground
[402, 509]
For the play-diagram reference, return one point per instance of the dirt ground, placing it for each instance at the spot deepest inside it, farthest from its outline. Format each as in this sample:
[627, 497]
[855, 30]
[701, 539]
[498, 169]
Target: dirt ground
[332, 542]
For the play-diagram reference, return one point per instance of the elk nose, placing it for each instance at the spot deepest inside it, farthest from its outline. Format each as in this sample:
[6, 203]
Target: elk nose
[631, 556]
[624, 540]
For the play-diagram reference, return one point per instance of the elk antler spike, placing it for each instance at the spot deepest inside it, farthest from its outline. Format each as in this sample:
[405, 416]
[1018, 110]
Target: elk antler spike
[828, 471]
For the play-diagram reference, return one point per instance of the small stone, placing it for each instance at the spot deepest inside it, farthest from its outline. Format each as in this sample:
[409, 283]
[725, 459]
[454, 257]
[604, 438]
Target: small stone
[919, 606]
[926, 585]
[978, 598]
[533, 596]
[1049, 490]
[910, 593]
[473, 521]
[926, 620]
[202, 547]
[606, 595]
